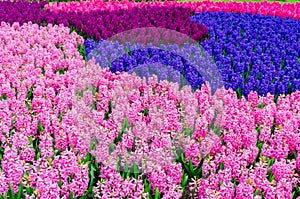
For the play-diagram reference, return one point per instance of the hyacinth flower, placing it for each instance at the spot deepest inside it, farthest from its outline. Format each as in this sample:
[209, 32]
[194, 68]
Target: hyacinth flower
[33, 96]
[248, 145]
[264, 8]
[145, 117]
[46, 132]
[191, 61]
[254, 53]
[103, 24]
[163, 72]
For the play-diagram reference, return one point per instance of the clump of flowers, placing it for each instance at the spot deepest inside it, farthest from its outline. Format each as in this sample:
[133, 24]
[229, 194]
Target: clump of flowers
[42, 150]
[259, 154]
[136, 125]
[265, 8]
[71, 129]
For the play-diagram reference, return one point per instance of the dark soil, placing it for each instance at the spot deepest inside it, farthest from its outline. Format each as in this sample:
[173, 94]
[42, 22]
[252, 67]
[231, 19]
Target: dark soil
[186, 192]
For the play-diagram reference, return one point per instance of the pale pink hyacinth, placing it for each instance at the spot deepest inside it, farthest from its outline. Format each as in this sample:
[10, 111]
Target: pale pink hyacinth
[239, 130]
[279, 145]
[25, 51]
[162, 122]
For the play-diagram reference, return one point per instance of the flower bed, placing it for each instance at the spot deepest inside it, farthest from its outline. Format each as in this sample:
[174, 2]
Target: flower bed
[38, 70]
[263, 8]
[254, 52]
[71, 128]
[105, 23]
[251, 52]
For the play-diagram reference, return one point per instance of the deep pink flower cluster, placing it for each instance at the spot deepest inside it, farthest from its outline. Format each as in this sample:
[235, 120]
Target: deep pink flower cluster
[37, 75]
[263, 8]
[87, 6]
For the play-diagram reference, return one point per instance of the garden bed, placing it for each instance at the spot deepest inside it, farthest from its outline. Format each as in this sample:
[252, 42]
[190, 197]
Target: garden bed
[149, 100]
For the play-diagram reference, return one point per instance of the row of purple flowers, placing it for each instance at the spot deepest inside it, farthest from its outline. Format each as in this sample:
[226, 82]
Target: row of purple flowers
[102, 23]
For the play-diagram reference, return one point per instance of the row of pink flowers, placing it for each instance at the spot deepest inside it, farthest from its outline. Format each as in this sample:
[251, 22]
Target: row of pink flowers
[32, 56]
[242, 119]
[264, 8]
[244, 123]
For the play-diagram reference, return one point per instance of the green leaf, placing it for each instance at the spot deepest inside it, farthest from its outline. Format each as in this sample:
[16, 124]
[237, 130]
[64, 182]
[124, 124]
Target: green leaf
[146, 186]
[272, 178]
[193, 193]
[20, 192]
[4, 97]
[146, 112]
[135, 170]
[182, 157]
[29, 191]
[92, 174]
[293, 194]
[119, 138]
[11, 192]
[71, 195]
[191, 166]
[134, 143]
[220, 183]
[29, 94]
[198, 171]
[176, 156]
[40, 126]
[261, 106]
[188, 170]
[111, 147]
[258, 129]
[185, 178]
[297, 189]
[30, 139]
[157, 194]
[59, 184]
[262, 195]
[88, 157]
[234, 183]
[271, 162]
[93, 168]
[28, 106]
[222, 166]
[125, 124]
[127, 170]
[256, 192]
[239, 93]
